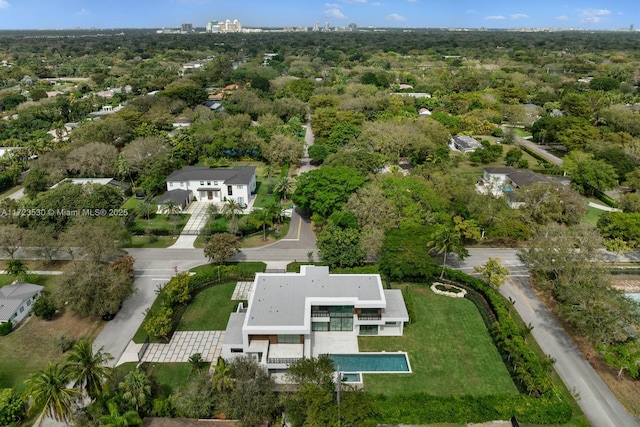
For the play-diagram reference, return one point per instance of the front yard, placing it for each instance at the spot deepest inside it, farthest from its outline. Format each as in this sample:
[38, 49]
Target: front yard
[209, 310]
[449, 348]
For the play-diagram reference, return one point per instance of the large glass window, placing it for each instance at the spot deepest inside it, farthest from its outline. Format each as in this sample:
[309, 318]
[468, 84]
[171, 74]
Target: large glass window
[341, 323]
[320, 326]
[288, 339]
[368, 329]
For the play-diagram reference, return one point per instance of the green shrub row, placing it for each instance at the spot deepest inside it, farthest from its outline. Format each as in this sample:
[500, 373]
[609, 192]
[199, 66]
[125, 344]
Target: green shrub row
[421, 408]
[160, 324]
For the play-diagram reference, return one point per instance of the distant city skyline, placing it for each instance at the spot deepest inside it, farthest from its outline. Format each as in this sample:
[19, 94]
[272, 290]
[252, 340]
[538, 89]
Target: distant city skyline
[502, 14]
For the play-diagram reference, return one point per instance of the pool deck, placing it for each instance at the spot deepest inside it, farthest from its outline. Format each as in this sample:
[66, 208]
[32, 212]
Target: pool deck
[334, 343]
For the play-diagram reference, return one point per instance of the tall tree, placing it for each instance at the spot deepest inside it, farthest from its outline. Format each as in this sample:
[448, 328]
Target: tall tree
[12, 238]
[89, 370]
[446, 240]
[49, 389]
[261, 218]
[284, 187]
[221, 247]
[493, 271]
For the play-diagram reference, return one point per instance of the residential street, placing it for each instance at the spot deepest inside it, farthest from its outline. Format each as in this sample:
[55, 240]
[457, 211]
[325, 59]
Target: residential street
[598, 403]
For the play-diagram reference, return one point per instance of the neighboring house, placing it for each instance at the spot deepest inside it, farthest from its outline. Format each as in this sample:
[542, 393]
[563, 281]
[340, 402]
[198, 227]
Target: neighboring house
[215, 185]
[423, 112]
[465, 143]
[126, 188]
[16, 301]
[286, 311]
[106, 110]
[180, 198]
[413, 94]
[182, 122]
[504, 180]
[214, 105]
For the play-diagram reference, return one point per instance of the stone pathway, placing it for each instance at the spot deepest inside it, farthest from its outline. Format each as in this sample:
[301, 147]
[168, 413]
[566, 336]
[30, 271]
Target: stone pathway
[184, 344]
[241, 292]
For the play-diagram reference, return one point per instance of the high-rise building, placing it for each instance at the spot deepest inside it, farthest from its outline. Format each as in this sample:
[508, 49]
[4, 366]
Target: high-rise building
[353, 27]
[631, 27]
[227, 26]
[187, 28]
[326, 27]
[315, 26]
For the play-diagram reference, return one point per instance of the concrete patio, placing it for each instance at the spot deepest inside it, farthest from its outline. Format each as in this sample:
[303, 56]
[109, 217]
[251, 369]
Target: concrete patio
[334, 343]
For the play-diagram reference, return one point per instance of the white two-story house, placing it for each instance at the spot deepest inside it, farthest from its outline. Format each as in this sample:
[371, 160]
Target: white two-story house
[215, 185]
[287, 311]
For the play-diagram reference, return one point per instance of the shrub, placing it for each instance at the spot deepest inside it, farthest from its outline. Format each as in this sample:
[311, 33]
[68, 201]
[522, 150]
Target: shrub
[11, 407]
[44, 307]
[64, 343]
[5, 328]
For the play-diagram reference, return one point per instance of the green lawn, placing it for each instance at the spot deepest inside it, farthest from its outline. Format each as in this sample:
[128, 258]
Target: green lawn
[449, 348]
[143, 242]
[262, 197]
[210, 309]
[44, 280]
[523, 133]
[592, 215]
[9, 191]
[167, 376]
[160, 224]
[131, 204]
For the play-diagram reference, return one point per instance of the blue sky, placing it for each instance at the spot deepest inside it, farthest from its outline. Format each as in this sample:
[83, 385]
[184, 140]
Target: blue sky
[598, 14]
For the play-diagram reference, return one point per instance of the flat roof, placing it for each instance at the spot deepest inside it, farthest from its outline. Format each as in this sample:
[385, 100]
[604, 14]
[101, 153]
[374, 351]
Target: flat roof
[282, 299]
[395, 305]
[233, 333]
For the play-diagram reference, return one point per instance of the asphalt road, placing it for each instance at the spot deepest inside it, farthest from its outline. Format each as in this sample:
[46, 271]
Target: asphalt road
[595, 398]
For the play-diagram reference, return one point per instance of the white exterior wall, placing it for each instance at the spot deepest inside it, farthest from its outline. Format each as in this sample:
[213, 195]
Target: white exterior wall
[240, 192]
[24, 309]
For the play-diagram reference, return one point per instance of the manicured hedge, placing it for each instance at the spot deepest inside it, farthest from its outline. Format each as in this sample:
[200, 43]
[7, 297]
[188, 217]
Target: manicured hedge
[421, 408]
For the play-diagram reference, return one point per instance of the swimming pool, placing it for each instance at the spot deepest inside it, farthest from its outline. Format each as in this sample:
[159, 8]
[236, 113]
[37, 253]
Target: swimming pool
[372, 362]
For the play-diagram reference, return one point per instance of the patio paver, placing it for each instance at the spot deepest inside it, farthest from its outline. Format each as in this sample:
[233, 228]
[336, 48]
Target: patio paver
[185, 343]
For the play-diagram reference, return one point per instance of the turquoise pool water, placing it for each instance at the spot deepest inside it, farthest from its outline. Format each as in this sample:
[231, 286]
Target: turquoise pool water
[372, 362]
[351, 377]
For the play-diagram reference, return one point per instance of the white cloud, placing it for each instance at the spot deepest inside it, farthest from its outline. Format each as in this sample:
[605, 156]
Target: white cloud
[354, 1]
[4, 4]
[495, 18]
[82, 12]
[412, 1]
[593, 16]
[471, 11]
[332, 6]
[562, 18]
[517, 16]
[395, 17]
[334, 13]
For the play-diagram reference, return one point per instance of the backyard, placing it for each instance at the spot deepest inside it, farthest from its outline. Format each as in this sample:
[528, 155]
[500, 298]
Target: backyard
[449, 349]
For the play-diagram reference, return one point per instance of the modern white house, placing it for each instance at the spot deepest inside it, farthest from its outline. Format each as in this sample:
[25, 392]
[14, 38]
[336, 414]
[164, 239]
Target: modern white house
[288, 312]
[16, 301]
[215, 185]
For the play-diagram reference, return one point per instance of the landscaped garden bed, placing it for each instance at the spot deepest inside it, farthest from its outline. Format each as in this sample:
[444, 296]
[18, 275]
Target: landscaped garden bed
[448, 290]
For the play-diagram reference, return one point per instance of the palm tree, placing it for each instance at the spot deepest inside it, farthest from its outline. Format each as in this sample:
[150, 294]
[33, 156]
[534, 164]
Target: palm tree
[445, 240]
[145, 209]
[262, 218]
[171, 208]
[232, 208]
[136, 388]
[88, 370]
[115, 419]
[49, 390]
[284, 187]
[222, 377]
